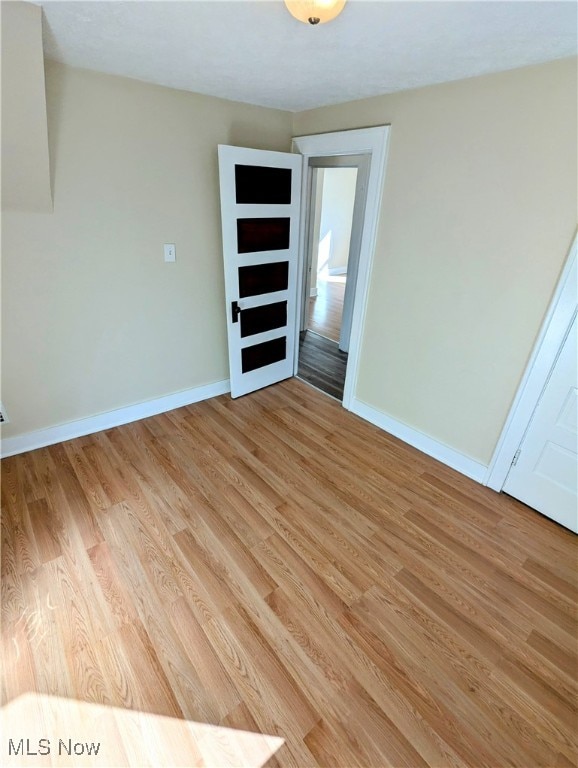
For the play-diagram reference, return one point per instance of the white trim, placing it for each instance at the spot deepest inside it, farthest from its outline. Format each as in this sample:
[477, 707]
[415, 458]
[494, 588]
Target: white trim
[337, 271]
[373, 141]
[43, 437]
[550, 339]
[448, 456]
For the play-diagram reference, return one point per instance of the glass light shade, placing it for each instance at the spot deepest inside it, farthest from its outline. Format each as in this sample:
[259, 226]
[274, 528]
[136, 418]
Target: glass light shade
[315, 11]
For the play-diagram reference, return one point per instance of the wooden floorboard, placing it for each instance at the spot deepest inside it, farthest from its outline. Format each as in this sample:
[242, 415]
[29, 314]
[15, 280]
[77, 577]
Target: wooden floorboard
[322, 364]
[326, 309]
[274, 564]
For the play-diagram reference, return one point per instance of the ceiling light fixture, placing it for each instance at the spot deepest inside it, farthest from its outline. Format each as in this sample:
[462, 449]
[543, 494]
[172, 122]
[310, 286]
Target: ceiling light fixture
[315, 11]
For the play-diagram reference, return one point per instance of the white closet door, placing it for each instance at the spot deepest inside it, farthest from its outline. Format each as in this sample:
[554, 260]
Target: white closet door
[545, 472]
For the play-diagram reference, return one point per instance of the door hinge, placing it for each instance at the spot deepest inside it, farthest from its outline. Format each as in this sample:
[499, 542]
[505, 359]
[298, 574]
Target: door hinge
[516, 457]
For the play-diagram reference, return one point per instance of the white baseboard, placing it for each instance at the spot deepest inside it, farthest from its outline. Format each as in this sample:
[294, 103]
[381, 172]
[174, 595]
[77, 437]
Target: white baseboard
[43, 437]
[337, 271]
[423, 443]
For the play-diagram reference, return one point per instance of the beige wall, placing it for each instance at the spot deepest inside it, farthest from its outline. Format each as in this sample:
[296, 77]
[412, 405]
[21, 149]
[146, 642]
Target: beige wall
[478, 214]
[93, 319]
[337, 214]
[25, 167]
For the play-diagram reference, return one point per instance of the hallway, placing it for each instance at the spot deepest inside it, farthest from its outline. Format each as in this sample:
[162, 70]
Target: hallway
[326, 309]
[321, 363]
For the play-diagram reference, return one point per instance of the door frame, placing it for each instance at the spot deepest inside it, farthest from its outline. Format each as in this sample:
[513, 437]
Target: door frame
[361, 164]
[552, 334]
[373, 142]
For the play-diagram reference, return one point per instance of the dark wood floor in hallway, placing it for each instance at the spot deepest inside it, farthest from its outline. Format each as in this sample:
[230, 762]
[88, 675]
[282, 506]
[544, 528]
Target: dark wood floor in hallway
[276, 564]
[322, 363]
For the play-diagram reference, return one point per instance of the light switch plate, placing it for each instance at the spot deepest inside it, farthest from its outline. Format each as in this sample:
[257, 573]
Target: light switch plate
[170, 252]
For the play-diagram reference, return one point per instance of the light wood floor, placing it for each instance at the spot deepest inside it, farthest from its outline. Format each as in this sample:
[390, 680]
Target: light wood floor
[326, 309]
[275, 564]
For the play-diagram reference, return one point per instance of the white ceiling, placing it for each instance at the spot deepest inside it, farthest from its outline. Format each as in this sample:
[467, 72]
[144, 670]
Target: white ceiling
[254, 51]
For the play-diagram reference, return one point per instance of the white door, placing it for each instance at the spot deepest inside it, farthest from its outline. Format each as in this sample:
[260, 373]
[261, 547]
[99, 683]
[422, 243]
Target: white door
[545, 472]
[260, 209]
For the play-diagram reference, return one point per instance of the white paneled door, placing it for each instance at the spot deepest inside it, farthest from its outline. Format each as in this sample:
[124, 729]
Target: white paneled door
[545, 472]
[260, 209]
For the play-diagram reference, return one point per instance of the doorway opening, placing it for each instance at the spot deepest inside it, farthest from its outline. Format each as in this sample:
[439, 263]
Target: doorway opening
[335, 215]
[265, 198]
[344, 149]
